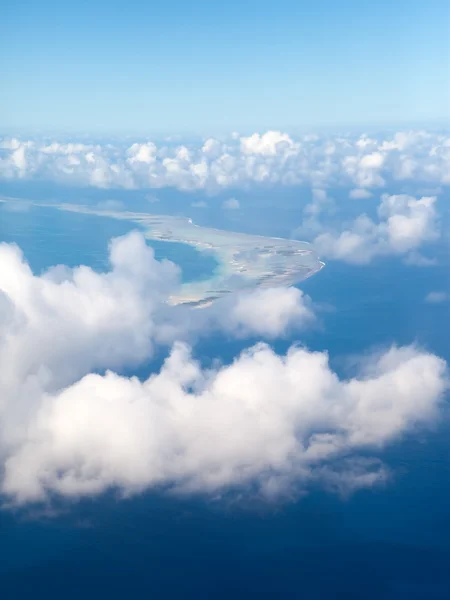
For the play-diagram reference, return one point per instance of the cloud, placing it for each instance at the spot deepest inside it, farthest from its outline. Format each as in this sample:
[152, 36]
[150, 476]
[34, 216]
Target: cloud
[268, 144]
[77, 319]
[273, 424]
[360, 194]
[270, 158]
[437, 297]
[231, 204]
[268, 312]
[199, 204]
[277, 423]
[405, 223]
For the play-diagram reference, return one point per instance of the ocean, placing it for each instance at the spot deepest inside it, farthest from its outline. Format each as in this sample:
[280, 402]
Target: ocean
[391, 542]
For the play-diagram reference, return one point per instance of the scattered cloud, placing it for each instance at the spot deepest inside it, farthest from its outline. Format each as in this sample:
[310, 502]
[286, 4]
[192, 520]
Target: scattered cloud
[277, 424]
[199, 204]
[280, 423]
[269, 312]
[405, 223]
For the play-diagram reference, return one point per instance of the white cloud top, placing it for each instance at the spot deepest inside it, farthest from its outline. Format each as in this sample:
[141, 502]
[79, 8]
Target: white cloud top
[405, 223]
[271, 158]
[274, 423]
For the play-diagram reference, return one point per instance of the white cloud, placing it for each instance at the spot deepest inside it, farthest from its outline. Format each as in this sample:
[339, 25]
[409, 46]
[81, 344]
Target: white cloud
[268, 312]
[231, 204]
[113, 319]
[372, 161]
[268, 144]
[142, 153]
[78, 320]
[276, 423]
[271, 158]
[405, 223]
[199, 204]
[437, 297]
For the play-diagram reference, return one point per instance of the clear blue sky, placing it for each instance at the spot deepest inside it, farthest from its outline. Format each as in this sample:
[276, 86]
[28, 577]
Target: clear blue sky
[194, 66]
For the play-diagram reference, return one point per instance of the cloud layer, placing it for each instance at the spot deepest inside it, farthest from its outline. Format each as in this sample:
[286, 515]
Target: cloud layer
[273, 424]
[273, 157]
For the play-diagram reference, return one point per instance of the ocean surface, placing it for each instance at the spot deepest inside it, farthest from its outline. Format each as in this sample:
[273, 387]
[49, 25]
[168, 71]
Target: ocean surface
[387, 543]
[48, 236]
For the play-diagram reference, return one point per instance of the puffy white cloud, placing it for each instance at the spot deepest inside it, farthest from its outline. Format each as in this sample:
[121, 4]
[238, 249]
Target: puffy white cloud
[409, 222]
[231, 204]
[372, 161]
[277, 424]
[268, 144]
[77, 320]
[112, 319]
[272, 157]
[269, 312]
[405, 224]
[142, 153]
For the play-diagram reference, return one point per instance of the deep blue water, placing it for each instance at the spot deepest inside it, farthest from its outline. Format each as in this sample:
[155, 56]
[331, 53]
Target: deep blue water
[387, 543]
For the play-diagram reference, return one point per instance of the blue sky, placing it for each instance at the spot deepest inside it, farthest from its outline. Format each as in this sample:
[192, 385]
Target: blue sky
[206, 66]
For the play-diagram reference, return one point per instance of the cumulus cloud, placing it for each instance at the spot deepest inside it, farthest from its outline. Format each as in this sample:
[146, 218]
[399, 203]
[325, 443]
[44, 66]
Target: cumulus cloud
[275, 424]
[272, 157]
[268, 144]
[268, 312]
[405, 223]
[112, 319]
[76, 319]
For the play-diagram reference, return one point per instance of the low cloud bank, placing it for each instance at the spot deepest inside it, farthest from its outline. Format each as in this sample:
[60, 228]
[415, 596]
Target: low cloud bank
[273, 157]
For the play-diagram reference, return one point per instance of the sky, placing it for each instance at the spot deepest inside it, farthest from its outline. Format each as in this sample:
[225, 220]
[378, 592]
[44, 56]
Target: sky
[184, 67]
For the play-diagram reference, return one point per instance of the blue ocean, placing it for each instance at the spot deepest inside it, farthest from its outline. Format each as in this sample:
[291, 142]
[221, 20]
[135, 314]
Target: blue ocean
[386, 543]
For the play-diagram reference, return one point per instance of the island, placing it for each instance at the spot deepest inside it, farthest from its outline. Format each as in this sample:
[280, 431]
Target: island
[244, 261]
